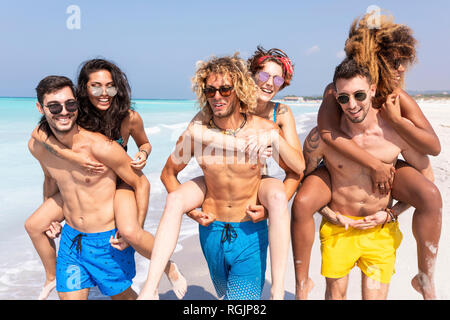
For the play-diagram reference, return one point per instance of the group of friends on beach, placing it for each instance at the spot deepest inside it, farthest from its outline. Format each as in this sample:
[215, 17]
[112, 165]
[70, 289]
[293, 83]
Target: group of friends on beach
[348, 171]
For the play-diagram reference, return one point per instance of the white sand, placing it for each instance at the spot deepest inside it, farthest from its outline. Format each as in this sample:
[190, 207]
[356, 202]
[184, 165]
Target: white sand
[193, 265]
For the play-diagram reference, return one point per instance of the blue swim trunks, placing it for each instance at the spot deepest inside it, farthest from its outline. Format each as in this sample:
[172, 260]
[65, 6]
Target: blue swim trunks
[236, 253]
[87, 260]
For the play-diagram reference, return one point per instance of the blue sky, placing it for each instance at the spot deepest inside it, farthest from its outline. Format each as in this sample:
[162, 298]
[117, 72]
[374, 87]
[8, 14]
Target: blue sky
[157, 43]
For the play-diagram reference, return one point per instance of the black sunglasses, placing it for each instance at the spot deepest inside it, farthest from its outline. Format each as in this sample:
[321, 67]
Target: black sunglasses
[344, 98]
[398, 62]
[224, 91]
[55, 107]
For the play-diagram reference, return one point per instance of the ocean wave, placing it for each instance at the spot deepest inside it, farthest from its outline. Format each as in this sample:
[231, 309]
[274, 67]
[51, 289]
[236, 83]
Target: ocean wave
[152, 130]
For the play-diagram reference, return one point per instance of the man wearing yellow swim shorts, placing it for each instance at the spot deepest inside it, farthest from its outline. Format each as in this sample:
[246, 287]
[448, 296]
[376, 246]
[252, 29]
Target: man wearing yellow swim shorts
[361, 229]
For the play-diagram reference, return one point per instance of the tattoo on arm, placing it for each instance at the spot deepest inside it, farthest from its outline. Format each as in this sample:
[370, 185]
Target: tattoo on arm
[51, 150]
[282, 109]
[310, 147]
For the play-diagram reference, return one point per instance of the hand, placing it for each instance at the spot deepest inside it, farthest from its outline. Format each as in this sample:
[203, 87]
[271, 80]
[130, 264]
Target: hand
[54, 230]
[345, 221]
[372, 220]
[139, 161]
[205, 219]
[257, 212]
[390, 110]
[91, 166]
[259, 146]
[118, 242]
[382, 177]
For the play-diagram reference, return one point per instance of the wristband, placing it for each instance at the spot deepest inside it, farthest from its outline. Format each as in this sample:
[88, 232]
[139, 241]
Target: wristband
[391, 212]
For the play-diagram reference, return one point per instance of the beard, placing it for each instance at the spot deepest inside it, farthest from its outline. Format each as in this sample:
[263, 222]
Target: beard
[225, 113]
[360, 118]
[57, 129]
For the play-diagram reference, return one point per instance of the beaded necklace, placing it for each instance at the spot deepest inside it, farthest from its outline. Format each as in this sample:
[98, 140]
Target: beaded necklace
[231, 132]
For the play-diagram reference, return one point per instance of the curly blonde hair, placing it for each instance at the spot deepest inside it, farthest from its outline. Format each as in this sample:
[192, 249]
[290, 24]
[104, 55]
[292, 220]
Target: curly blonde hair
[379, 49]
[235, 67]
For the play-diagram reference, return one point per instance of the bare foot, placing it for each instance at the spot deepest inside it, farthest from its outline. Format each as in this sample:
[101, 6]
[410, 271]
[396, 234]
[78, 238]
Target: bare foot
[148, 296]
[277, 295]
[302, 291]
[424, 285]
[179, 283]
[47, 289]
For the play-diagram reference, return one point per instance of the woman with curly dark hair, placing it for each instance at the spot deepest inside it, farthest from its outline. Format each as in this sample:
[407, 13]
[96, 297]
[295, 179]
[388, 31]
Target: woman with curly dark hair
[104, 98]
[387, 50]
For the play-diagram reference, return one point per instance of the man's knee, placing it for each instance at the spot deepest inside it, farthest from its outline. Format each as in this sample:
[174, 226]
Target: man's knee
[334, 292]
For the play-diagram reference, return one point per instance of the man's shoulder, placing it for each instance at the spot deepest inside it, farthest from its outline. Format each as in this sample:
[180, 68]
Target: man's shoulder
[97, 142]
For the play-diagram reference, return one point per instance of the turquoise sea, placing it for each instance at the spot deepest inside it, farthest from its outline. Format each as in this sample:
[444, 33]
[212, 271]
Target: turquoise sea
[21, 272]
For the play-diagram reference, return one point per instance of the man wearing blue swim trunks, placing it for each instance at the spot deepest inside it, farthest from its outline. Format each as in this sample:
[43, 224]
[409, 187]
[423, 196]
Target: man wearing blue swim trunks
[85, 257]
[234, 247]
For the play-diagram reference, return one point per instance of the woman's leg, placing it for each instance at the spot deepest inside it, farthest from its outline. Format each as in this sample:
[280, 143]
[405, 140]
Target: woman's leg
[272, 196]
[127, 222]
[411, 187]
[131, 229]
[188, 196]
[314, 193]
[36, 225]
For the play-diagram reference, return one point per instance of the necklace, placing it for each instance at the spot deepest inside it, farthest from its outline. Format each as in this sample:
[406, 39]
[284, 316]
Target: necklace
[231, 132]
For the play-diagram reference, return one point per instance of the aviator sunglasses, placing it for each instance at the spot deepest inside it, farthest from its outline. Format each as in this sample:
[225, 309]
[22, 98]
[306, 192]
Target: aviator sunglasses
[98, 91]
[56, 108]
[344, 98]
[264, 76]
[224, 91]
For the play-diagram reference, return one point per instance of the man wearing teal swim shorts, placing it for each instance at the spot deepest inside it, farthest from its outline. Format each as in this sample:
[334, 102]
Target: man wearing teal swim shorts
[85, 257]
[234, 247]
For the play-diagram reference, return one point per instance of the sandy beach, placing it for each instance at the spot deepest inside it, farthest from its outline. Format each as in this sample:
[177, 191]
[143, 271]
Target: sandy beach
[193, 265]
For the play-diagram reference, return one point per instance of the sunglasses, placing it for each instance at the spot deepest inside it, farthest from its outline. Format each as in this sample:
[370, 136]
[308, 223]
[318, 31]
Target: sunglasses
[98, 91]
[264, 76]
[344, 98]
[224, 91]
[56, 108]
[398, 62]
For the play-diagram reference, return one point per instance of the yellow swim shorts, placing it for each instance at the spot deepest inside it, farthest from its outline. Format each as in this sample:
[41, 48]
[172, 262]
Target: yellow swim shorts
[373, 250]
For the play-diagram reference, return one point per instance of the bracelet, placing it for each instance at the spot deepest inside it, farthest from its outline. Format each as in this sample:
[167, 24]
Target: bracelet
[391, 212]
[146, 153]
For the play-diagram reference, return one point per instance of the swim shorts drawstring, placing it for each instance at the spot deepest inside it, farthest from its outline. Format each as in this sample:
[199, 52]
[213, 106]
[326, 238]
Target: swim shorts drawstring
[78, 240]
[230, 233]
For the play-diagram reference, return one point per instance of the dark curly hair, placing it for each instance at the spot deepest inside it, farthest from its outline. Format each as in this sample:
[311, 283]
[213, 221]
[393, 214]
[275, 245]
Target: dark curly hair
[380, 49]
[90, 118]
